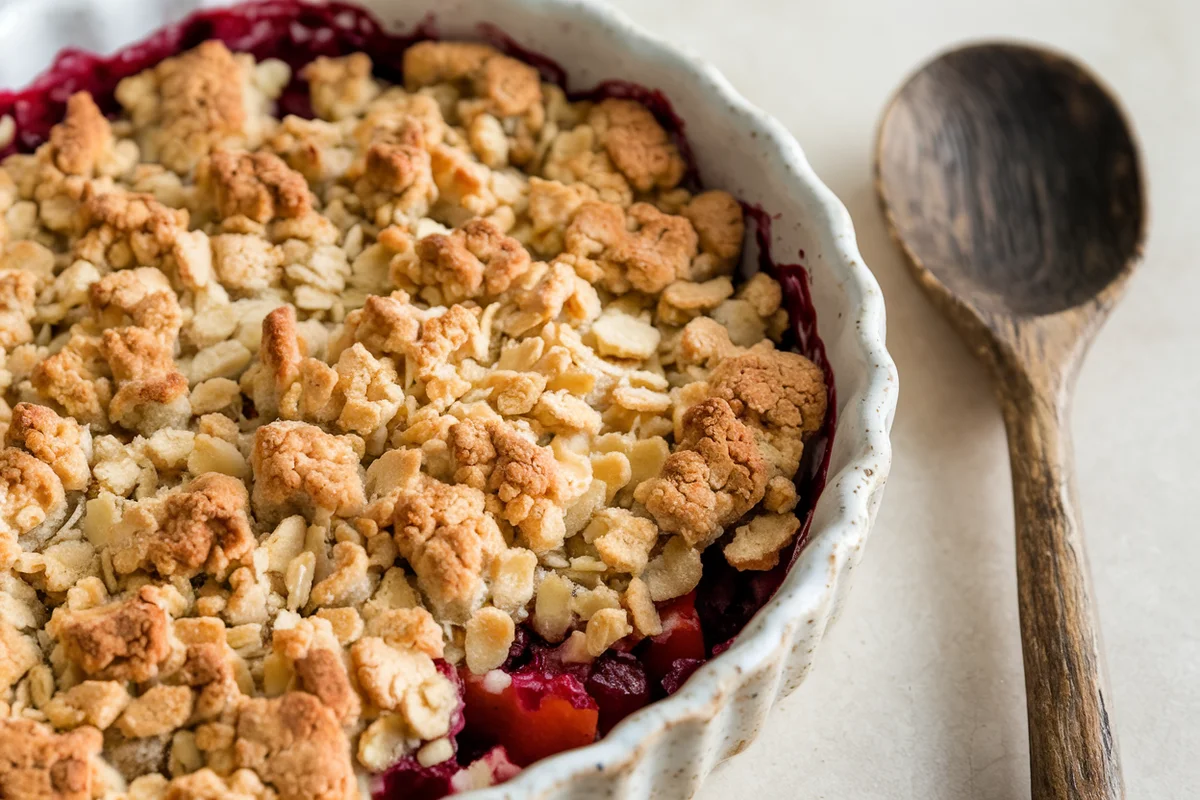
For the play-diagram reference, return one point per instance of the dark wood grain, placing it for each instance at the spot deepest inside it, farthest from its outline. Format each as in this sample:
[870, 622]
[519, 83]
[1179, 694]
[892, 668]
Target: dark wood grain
[1012, 181]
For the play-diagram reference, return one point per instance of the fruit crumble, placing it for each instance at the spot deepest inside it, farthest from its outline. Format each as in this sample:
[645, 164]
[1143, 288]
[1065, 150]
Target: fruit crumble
[382, 448]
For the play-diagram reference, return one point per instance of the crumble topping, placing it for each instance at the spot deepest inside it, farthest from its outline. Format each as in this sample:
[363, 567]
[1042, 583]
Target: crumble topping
[507, 87]
[340, 87]
[295, 745]
[715, 476]
[39, 764]
[201, 526]
[642, 249]
[474, 261]
[188, 105]
[637, 144]
[300, 468]
[295, 410]
[780, 394]
[123, 640]
[32, 500]
[258, 186]
[80, 141]
[444, 533]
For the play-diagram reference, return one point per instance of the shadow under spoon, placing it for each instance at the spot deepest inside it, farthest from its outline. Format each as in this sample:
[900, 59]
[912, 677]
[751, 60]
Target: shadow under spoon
[1013, 182]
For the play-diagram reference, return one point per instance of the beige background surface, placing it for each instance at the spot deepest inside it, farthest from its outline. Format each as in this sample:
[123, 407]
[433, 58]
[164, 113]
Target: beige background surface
[918, 691]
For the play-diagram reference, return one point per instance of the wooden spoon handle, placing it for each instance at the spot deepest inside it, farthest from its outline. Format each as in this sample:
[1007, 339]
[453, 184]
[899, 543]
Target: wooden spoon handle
[1072, 750]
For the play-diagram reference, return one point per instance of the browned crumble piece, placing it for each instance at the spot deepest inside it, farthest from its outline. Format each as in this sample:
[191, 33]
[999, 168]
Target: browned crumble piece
[298, 468]
[429, 63]
[38, 764]
[406, 682]
[124, 640]
[637, 144]
[509, 86]
[204, 784]
[142, 297]
[408, 628]
[190, 104]
[340, 87]
[385, 325]
[123, 229]
[18, 654]
[322, 674]
[258, 186]
[31, 497]
[201, 526]
[780, 393]
[81, 139]
[715, 476]
[645, 250]
[72, 378]
[443, 337]
[474, 261]
[394, 168]
[756, 545]
[717, 218]
[18, 293]
[296, 746]
[311, 147]
[208, 667]
[151, 392]
[527, 480]
[61, 443]
[473, 453]
[279, 357]
[443, 531]
[395, 178]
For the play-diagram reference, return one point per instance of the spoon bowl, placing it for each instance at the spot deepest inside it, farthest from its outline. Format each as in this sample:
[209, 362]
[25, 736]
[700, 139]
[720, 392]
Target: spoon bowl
[1012, 180]
[1010, 175]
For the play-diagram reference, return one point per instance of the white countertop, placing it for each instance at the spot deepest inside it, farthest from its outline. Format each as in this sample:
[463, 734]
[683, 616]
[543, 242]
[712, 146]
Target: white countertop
[918, 690]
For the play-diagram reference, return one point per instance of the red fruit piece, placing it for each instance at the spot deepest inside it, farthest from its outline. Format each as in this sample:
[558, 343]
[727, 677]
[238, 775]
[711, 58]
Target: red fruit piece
[681, 670]
[681, 637]
[619, 686]
[536, 715]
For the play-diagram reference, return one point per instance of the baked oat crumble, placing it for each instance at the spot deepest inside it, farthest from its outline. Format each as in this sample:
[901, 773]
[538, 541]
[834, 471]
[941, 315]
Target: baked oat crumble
[296, 410]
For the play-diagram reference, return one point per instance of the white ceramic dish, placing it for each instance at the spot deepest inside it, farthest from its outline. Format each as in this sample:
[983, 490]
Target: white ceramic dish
[666, 749]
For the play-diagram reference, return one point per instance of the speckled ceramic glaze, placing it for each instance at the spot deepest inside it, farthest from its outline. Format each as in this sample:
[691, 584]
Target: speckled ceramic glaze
[665, 750]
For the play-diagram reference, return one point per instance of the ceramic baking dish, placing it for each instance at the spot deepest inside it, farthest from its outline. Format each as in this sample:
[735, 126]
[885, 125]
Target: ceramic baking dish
[666, 749]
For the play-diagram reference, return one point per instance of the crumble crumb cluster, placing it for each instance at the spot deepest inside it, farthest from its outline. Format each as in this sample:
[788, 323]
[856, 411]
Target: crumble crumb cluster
[296, 409]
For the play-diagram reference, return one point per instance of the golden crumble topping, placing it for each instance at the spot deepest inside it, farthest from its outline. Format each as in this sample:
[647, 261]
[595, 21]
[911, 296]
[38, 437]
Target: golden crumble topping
[82, 138]
[258, 186]
[296, 745]
[38, 764]
[298, 467]
[297, 409]
[123, 640]
[340, 87]
[506, 86]
[637, 144]
[192, 103]
[31, 500]
[641, 249]
[201, 526]
[474, 261]
[448, 539]
[715, 476]
[778, 393]
[63, 444]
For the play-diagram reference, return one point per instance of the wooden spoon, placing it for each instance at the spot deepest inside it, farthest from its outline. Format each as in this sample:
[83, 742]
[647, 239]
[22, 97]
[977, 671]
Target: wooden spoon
[1010, 177]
